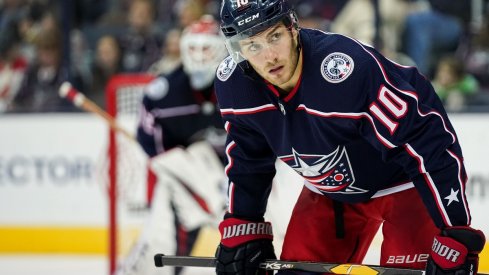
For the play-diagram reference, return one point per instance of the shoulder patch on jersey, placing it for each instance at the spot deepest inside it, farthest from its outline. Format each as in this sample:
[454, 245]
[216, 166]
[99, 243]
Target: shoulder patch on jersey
[157, 89]
[226, 68]
[336, 67]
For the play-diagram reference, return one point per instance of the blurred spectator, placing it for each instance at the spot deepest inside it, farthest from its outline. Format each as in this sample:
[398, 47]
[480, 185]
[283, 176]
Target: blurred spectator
[29, 28]
[12, 65]
[107, 63]
[142, 42]
[87, 12]
[10, 10]
[477, 56]
[116, 14]
[179, 13]
[171, 54]
[356, 20]
[80, 54]
[189, 11]
[453, 84]
[393, 15]
[436, 31]
[39, 90]
[327, 9]
[378, 26]
[317, 14]
[166, 13]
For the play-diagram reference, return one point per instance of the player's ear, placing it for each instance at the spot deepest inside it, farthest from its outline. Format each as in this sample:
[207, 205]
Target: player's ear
[295, 37]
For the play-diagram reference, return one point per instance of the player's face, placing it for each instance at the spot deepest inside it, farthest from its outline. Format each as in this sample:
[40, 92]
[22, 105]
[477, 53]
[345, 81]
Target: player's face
[272, 53]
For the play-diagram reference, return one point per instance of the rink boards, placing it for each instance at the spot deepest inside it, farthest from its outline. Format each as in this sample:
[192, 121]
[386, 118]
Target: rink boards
[52, 202]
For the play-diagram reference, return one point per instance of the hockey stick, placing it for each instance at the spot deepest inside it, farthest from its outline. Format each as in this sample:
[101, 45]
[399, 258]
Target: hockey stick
[67, 91]
[354, 269]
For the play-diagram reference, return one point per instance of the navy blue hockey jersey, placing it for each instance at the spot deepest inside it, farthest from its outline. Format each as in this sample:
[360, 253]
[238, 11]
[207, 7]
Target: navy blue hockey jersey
[355, 127]
[173, 114]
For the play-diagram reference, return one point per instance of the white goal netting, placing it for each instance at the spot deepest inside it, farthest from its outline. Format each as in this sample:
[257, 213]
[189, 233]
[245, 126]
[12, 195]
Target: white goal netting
[125, 166]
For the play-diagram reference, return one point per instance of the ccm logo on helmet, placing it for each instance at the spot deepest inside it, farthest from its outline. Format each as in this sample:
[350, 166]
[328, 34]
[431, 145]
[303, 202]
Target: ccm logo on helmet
[248, 19]
[444, 251]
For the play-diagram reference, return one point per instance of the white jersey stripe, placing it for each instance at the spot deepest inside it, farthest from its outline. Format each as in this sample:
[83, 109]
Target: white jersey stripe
[227, 126]
[248, 111]
[382, 139]
[176, 111]
[462, 184]
[392, 190]
[231, 197]
[431, 184]
[230, 147]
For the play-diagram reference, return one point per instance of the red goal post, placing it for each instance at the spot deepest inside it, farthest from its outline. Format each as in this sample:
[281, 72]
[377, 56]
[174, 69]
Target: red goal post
[123, 98]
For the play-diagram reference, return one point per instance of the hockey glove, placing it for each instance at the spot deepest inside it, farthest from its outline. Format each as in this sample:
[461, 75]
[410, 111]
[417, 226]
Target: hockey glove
[456, 251]
[244, 245]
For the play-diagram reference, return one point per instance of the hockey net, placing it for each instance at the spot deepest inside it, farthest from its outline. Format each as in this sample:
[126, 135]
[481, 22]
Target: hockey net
[126, 166]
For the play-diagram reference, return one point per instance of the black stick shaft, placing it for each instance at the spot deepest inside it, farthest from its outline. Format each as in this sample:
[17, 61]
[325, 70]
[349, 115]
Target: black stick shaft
[352, 269]
[162, 260]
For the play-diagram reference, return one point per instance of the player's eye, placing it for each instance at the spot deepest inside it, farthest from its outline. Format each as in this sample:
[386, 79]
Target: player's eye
[275, 36]
[253, 47]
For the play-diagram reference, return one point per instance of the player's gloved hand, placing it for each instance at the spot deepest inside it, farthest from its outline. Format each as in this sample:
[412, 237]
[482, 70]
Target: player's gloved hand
[244, 245]
[456, 251]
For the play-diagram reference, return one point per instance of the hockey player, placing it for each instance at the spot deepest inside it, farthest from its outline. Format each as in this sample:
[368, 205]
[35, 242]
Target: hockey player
[179, 112]
[180, 108]
[370, 138]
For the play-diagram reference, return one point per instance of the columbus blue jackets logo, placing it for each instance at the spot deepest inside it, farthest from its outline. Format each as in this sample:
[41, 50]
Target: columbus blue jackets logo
[157, 89]
[327, 173]
[226, 68]
[336, 67]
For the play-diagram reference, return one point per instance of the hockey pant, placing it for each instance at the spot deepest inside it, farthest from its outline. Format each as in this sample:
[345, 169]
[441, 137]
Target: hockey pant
[315, 234]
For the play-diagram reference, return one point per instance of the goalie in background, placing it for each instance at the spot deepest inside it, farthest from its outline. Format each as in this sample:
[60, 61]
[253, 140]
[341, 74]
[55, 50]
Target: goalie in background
[178, 112]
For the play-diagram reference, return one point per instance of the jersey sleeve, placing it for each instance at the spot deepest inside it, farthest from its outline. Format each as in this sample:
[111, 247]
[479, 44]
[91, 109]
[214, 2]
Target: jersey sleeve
[408, 124]
[149, 134]
[250, 170]
[251, 162]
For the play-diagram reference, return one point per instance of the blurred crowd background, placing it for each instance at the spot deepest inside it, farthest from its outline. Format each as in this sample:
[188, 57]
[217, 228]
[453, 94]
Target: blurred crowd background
[46, 42]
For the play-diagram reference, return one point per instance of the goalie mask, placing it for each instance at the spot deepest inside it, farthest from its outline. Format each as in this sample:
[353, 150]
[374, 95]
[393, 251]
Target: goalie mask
[202, 50]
